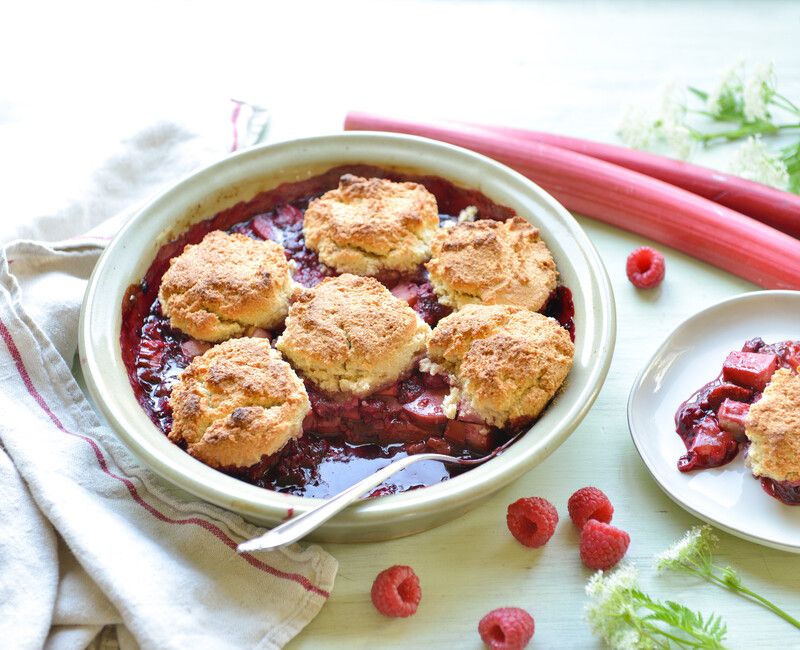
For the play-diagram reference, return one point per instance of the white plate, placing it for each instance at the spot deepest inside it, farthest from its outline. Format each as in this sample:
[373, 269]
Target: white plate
[727, 496]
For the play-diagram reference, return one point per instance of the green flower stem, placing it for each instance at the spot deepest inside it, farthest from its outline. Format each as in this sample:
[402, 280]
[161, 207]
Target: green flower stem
[759, 128]
[741, 589]
[785, 103]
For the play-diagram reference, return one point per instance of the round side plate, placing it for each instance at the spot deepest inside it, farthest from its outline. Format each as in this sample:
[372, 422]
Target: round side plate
[729, 496]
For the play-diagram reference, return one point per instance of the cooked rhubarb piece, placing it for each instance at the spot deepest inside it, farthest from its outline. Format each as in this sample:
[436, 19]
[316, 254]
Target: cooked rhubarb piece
[731, 415]
[426, 410]
[710, 447]
[469, 434]
[193, 348]
[720, 393]
[264, 228]
[407, 291]
[751, 369]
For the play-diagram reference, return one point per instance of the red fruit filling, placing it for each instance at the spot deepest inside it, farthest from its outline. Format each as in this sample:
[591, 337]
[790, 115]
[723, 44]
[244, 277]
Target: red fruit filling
[711, 422]
[589, 503]
[344, 439]
[532, 521]
[396, 591]
[731, 416]
[750, 369]
[506, 628]
[645, 268]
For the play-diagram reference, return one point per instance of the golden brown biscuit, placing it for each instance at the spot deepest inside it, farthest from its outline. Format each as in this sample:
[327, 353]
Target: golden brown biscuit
[507, 361]
[371, 225]
[349, 334]
[773, 428]
[492, 262]
[226, 286]
[237, 402]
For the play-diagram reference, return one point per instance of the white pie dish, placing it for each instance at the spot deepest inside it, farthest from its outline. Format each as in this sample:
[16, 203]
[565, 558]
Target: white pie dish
[242, 175]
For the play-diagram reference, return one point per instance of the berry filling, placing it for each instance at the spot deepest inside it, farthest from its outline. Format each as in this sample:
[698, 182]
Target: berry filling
[711, 422]
[344, 439]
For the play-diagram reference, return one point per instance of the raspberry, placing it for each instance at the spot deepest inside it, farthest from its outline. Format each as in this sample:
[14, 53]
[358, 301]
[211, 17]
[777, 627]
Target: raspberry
[532, 521]
[506, 628]
[602, 545]
[645, 267]
[589, 503]
[396, 591]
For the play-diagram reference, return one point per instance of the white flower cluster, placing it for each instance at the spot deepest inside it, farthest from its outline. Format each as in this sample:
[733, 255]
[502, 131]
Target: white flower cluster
[696, 543]
[758, 90]
[610, 607]
[639, 129]
[754, 162]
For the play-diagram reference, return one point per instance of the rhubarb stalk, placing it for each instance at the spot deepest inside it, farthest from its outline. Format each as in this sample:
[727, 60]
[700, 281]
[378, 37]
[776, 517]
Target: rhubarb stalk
[627, 199]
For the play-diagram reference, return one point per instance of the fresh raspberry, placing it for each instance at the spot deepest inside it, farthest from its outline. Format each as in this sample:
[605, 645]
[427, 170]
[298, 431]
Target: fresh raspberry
[645, 267]
[589, 503]
[602, 545]
[532, 521]
[396, 591]
[506, 628]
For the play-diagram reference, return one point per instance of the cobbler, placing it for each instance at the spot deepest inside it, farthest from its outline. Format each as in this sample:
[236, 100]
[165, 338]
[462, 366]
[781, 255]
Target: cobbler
[754, 405]
[358, 384]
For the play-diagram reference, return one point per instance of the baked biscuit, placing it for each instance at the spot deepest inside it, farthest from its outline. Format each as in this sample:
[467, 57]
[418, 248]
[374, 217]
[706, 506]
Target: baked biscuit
[226, 286]
[349, 334]
[367, 226]
[773, 428]
[507, 361]
[492, 262]
[237, 402]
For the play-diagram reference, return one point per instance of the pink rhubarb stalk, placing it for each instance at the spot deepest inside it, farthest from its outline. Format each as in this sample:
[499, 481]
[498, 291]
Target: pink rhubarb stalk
[627, 199]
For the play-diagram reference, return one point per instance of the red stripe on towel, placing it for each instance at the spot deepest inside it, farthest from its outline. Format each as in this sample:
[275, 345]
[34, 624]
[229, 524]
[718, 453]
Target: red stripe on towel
[101, 460]
[237, 107]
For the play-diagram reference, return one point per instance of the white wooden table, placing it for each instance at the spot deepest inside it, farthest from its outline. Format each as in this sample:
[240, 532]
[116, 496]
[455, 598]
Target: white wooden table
[563, 67]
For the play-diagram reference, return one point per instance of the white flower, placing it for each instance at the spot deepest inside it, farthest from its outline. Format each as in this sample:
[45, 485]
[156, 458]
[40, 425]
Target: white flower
[672, 121]
[754, 162]
[629, 639]
[728, 85]
[696, 543]
[679, 139]
[636, 128]
[610, 603]
[757, 92]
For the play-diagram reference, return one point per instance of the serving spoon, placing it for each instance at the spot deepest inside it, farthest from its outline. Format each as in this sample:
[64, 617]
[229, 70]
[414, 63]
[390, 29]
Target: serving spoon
[298, 527]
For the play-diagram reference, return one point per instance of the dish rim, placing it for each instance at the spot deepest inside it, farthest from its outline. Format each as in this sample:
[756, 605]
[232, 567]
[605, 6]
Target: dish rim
[266, 505]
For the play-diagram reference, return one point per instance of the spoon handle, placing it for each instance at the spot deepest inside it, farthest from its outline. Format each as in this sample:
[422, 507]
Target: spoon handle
[298, 527]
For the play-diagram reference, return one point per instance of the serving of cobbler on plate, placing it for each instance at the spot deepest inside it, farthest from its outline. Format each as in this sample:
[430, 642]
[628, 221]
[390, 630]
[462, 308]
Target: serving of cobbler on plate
[753, 405]
[305, 338]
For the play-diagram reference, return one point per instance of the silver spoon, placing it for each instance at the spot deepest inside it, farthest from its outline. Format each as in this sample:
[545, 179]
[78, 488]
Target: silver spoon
[298, 527]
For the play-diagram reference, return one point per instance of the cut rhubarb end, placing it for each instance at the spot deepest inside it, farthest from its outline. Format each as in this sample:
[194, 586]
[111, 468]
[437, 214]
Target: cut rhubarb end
[477, 437]
[750, 369]
[731, 416]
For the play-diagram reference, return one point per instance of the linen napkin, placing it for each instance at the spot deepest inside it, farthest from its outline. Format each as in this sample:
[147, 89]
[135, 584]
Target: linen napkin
[90, 537]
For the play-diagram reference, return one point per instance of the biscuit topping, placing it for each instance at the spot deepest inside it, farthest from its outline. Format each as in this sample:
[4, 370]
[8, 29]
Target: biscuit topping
[773, 428]
[226, 286]
[492, 262]
[507, 361]
[367, 226]
[350, 334]
[237, 403]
